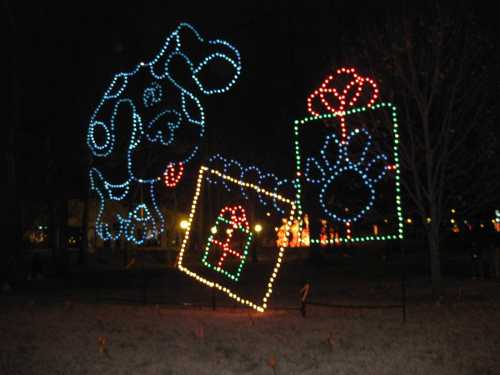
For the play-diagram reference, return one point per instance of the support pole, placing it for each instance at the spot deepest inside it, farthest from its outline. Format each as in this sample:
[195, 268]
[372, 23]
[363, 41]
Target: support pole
[304, 292]
[144, 283]
[213, 299]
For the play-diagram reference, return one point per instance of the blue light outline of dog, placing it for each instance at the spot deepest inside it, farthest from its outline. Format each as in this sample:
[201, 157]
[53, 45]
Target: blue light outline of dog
[151, 95]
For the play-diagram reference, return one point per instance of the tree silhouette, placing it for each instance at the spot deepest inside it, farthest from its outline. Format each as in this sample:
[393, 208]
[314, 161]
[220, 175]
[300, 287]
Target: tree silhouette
[442, 75]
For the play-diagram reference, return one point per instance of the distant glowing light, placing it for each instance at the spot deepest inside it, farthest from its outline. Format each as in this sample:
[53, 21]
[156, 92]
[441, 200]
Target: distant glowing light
[184, 224]
[258, 228]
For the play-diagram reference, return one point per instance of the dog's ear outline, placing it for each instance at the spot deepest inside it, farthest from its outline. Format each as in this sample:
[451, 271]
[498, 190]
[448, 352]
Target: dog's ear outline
[218, 57]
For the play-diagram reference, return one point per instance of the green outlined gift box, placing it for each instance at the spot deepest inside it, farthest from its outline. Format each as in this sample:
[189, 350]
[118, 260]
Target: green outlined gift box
[347, 162]
[230, 238]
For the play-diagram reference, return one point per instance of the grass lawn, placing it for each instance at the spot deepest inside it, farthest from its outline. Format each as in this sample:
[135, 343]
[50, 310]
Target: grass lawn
[72, 334]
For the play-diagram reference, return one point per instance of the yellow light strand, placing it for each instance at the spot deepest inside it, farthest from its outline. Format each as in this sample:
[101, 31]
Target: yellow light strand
[281, 252]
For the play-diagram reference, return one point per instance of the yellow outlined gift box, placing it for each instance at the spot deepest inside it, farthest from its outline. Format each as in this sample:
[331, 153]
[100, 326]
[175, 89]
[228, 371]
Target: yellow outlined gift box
[225, 218]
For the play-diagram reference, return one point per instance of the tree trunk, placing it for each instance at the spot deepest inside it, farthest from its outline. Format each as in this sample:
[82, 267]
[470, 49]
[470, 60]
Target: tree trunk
[84, 243]
[435, 260]
[11, 223]
[58, 238]
[53, 232]
[63, 237]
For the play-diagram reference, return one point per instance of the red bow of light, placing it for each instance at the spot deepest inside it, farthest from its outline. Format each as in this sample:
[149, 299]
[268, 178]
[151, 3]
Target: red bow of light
[342, 91]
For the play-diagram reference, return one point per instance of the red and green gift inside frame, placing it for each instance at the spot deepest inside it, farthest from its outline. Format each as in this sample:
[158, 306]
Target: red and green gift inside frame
[231, 237]
[342, 97]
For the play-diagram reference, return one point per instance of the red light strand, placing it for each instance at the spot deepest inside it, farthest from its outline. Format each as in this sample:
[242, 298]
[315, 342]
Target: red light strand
[237, 216]
[172, 175]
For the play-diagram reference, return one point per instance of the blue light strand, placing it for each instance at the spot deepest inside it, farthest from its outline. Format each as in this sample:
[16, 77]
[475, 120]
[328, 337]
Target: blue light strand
[212, 161]
[140, 225]
[367, 144]
[313, 168]
[141, 215]
[153, 94]
[244, 172]
[171, 127]
[102, 228]
[262, 182]
[324, 151]
[329, 172]
[231, 163]
[100, 149]
[285, 183]
[113, 190]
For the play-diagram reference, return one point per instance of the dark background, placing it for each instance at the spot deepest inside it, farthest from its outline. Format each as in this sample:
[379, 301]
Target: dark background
[59, 58]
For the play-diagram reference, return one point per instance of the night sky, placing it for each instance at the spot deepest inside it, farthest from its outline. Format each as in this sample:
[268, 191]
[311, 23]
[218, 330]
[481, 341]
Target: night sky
[62, 56]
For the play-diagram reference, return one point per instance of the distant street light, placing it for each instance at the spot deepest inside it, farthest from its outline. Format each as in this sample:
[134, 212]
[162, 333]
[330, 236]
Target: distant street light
[258, 228]
[184, 224]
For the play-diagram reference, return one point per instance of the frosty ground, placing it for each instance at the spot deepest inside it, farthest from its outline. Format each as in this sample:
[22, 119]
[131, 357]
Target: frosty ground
[71, 333]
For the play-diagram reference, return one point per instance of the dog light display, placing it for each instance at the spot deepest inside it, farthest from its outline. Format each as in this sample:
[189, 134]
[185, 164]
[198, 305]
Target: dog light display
[147, 127]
